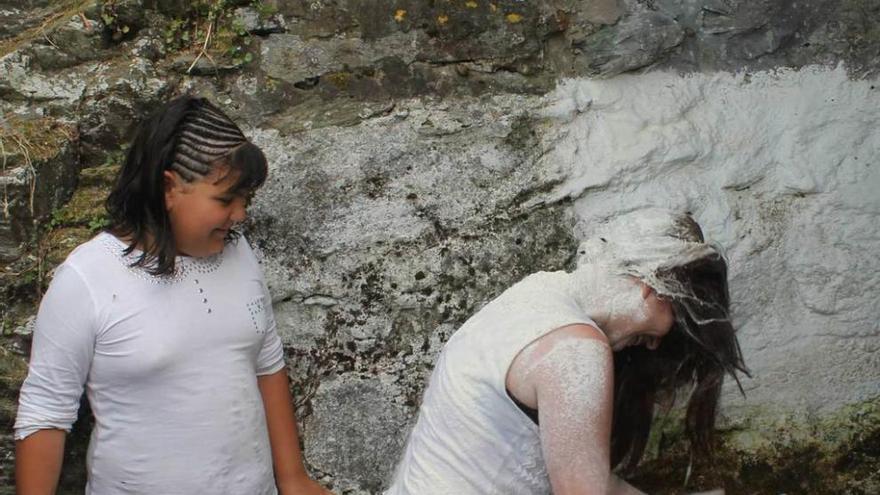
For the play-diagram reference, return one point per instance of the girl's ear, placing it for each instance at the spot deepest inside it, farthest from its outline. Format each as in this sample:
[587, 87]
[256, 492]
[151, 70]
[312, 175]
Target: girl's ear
[646, 290]
[172, 186]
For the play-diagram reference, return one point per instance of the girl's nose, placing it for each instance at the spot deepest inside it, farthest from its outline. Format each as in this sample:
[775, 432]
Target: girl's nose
[239, 212]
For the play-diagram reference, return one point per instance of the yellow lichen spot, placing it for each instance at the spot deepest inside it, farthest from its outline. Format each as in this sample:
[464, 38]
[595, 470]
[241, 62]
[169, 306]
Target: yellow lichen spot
[400, 15]
[471, 4]
[339, 79]
[442, 19]
[514, 18]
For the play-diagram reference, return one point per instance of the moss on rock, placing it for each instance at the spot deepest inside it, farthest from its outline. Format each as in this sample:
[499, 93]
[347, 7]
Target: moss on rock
[30, 140]
[835, 454]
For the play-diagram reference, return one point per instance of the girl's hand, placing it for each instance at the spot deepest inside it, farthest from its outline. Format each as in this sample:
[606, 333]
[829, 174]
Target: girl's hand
[304, 487]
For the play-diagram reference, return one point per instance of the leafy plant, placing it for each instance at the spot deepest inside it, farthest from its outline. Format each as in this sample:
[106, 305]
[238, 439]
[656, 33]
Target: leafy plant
[212, 28]
[264, 10]
[113, 26]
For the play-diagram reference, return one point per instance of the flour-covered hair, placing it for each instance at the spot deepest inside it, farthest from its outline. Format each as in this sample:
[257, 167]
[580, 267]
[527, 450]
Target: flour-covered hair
[668, 252]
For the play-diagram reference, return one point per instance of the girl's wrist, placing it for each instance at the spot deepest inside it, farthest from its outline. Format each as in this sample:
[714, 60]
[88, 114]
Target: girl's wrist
[298, 484]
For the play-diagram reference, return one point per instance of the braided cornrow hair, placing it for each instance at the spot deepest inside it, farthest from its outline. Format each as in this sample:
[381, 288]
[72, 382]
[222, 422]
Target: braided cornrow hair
[206, 134]
[191, 137]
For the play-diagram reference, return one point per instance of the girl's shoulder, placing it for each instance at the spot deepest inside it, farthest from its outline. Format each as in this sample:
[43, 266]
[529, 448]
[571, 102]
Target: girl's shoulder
[101, 258]
[241, 248]
[85, 267]
[96, 252]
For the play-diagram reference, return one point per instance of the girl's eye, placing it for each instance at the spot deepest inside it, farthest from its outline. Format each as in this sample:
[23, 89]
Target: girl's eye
[225, 201]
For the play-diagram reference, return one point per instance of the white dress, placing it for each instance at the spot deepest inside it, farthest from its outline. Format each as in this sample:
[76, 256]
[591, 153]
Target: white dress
[470, 437]
[170, 367]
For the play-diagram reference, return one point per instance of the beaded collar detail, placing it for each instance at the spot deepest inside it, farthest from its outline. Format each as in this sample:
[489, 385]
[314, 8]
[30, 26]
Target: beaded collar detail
[184, 266]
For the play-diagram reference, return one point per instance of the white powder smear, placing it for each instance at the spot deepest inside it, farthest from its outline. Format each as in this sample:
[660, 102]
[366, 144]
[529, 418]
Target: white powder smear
[575, 406]
[607, 295]
[780, 168]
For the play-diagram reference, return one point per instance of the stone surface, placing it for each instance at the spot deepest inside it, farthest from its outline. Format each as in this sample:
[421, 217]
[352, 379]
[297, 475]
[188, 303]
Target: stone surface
[785, 192]
[37, 177]
[118, 95]
[365, 439]
[75, 41]
[291, 58]
[14, 20]
[422, 161]
[255, 22]
[23, 83]
[640, 39]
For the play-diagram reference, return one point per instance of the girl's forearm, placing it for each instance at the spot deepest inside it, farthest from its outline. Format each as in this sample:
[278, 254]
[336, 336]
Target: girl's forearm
[38, 461]
[290, 474]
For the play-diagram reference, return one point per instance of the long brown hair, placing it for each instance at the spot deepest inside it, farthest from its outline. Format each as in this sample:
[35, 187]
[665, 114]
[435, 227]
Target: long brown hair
[698, 351]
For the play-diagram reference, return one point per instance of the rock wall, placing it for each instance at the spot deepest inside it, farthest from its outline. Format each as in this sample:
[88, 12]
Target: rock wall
[426, 155]
[780, 168]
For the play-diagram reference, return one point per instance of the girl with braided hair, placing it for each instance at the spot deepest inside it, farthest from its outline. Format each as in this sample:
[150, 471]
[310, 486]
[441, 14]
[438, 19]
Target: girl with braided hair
[165, 320]
[553, 384]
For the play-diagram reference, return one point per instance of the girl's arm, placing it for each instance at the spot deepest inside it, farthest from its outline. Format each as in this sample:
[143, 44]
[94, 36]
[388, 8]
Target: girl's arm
[569, 375]
[290, 474]
[621, 487]
[38, 462]
[61, 354]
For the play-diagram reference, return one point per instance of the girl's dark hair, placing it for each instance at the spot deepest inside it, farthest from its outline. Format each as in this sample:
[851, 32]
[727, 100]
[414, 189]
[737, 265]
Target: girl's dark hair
[191, 137]
[698, 351]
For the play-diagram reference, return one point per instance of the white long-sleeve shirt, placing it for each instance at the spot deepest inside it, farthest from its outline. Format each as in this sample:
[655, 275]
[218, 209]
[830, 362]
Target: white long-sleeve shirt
[170, 367]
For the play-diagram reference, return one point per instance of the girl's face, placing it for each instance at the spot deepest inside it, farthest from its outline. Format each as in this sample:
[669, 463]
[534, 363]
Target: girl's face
[202, 212]
[659, 321]
[649, 324]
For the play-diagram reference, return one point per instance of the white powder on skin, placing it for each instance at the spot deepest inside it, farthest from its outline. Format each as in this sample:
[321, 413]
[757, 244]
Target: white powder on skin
[572, 376]
[606, 296]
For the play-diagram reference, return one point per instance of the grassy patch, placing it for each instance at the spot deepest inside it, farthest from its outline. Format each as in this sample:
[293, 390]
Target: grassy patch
[32, 139]
[54, 15]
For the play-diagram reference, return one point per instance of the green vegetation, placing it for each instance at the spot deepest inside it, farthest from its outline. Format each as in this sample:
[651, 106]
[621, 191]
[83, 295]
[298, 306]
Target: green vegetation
[212, 28]
[114, 25]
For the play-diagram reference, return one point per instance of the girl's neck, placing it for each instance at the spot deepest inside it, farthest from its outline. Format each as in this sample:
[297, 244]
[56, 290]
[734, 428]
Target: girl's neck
[614, 301]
